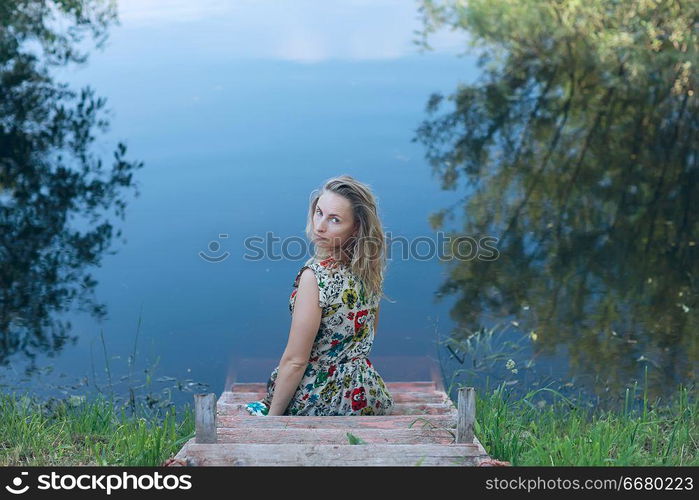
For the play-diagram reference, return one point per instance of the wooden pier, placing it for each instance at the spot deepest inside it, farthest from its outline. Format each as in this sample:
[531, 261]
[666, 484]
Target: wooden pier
[424, 428]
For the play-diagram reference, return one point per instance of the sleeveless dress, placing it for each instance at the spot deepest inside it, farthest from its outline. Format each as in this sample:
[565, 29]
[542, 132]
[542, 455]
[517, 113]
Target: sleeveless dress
[339, 378]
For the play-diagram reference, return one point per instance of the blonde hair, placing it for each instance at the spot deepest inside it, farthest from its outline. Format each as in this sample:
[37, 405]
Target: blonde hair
[366, 248]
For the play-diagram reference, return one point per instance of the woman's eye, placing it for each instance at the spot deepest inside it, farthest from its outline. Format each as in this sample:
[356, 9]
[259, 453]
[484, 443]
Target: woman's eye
[334, 218]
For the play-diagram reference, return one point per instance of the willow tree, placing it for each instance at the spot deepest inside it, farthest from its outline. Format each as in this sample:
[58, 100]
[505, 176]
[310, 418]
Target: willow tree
[577, 148]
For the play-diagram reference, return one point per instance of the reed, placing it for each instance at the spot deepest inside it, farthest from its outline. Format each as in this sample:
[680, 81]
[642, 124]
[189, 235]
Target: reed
[78, 431]
[107, 424]
[563, 433]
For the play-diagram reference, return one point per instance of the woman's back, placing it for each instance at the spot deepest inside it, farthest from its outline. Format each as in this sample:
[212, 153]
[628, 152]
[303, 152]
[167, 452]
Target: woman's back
[348, 318]
[339, 378]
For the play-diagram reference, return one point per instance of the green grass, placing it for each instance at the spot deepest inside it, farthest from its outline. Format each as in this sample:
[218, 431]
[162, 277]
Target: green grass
[562, 433]
[76, 431]
[117, 426]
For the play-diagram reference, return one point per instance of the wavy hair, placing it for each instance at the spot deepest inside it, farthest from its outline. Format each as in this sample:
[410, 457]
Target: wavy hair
[365, 250]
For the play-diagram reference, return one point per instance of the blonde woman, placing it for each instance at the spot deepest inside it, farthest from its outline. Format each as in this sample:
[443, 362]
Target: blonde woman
[325, 369]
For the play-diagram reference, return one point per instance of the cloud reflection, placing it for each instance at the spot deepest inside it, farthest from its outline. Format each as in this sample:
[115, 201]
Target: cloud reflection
[303, 31]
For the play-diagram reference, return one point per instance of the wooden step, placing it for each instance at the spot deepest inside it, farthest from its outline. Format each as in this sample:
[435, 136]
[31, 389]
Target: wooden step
[411, 386]
[287, 454]
[422, 430]
[337, 422]
[391, 386]
[398, 397]
[415, 435]
[397, 409]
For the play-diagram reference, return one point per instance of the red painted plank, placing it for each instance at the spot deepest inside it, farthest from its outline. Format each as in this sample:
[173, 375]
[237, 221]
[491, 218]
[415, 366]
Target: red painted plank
[336, 436]
[416, 386]
[397, 409]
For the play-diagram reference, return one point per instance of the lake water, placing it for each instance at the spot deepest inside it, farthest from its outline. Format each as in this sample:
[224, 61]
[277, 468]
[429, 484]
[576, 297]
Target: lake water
[233, 141]
[238, 113]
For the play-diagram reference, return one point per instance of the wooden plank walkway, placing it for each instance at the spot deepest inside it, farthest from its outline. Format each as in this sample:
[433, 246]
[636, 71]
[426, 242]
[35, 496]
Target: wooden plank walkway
[424, 428]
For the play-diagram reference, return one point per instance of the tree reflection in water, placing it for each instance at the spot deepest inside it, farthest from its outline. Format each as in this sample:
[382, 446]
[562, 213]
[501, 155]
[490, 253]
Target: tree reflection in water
[56, 197]
[578, 151]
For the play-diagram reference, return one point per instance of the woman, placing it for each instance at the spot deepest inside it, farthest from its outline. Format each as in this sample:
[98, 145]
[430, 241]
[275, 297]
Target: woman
[324, 369]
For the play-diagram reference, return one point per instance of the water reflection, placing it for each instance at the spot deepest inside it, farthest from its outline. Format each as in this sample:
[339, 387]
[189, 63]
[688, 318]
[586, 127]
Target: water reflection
[584, 165]
[55, 195]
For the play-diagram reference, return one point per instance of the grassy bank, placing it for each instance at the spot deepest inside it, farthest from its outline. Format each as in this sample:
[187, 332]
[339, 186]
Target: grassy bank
[77, 431]
[525, 432]
[522, 432]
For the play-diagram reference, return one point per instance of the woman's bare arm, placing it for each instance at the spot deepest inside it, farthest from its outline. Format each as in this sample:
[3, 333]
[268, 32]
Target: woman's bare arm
[305, 322]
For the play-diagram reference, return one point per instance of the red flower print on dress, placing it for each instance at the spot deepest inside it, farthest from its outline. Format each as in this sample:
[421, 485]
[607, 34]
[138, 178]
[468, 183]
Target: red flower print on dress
[329, 262]
[359, 320]
[332, 369]
[350, 315]
[358, 398]
[367, 361]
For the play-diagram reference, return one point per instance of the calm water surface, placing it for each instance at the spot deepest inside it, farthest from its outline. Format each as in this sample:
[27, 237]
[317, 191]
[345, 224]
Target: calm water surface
[237, 113]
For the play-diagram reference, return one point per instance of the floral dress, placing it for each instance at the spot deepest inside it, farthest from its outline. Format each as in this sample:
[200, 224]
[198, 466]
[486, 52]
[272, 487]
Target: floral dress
[339, 378]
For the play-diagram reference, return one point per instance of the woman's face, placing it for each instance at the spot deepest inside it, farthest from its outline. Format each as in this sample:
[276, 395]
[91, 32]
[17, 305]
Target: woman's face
[333, 221]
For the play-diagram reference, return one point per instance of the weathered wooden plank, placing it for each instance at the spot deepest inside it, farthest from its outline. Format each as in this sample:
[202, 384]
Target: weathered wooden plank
[248, 387]
[338, 422]
[231, 410]
[332, 454]
[391, 386]
[181, 456]
[480, 446]
[205, 417]
[336, 436]
[423, 409]
[411, 386]
[398, 397]
[243, 395]
[466, 415]
[397, 409]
